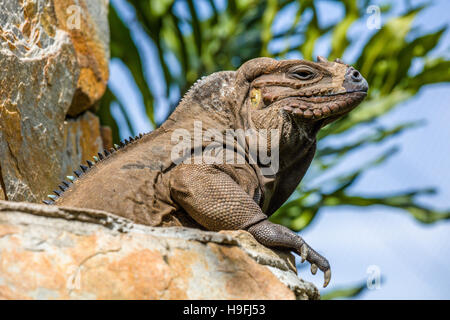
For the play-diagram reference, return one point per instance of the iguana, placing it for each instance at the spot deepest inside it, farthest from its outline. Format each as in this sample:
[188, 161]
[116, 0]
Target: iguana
[143, 178]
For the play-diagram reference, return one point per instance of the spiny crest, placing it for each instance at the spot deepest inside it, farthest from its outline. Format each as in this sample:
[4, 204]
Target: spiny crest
[84, 169]
[197, 83]
[213, 82]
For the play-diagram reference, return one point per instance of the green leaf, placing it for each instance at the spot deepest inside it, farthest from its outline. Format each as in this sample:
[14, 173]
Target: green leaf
[104, 113]
[385, 44]
[436, 71]
[366, 112]
[266, 30]
[404, 201]
[196, 27]
[123, 47]
[160, 7]
[297, 214]
[339, 41]
[313, 32]
[328, 157]
[419, 47]
[349, 292]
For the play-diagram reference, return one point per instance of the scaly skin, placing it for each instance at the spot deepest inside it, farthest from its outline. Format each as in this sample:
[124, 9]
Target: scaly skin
[143, 181]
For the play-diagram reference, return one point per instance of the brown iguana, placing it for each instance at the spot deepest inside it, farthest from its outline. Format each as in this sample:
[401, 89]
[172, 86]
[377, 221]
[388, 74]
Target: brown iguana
[145, 180]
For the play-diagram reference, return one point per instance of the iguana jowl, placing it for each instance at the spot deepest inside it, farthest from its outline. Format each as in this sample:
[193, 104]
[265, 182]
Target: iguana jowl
[141, 181]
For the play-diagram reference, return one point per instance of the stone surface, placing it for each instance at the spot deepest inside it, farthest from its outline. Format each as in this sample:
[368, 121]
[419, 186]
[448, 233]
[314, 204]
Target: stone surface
[83, 139]
[86, 22]
[48, 252]
[107, 138]
[51, 67]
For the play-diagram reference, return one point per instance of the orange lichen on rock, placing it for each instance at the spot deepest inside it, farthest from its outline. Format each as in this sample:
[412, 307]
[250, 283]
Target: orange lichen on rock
[91, 47]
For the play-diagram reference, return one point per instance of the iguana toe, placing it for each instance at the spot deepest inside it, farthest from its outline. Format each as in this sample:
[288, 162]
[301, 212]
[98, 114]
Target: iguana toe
[317, 262]
[327, 277]
[304, 252]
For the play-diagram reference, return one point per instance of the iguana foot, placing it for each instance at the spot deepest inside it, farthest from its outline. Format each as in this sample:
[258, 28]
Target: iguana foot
[316, 261]
[275, 235]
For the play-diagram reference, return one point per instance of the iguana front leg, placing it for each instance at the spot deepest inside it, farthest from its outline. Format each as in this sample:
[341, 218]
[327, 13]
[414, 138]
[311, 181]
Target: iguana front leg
[275, 235]
[216, 201]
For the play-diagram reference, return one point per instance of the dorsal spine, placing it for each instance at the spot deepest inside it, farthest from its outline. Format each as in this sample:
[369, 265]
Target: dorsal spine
[84, 169]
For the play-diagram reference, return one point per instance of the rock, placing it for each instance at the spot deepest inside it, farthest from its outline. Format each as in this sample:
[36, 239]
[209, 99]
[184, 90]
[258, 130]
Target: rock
[281, 263]
[50, 69]
[83, 139]
[86, 22]
[2, 193]
[65, 253]
[107, 138]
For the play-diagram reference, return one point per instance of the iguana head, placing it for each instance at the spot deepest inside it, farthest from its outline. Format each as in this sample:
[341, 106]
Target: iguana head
[312, 92]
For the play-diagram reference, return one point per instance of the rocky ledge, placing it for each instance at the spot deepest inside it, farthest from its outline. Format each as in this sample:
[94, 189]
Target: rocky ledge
[49, 252]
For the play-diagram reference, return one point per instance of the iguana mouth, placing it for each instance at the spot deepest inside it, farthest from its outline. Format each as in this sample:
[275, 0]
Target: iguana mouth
[323, 106]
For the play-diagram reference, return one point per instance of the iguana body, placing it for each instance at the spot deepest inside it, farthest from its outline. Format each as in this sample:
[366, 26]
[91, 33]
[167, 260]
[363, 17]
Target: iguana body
[142, 181]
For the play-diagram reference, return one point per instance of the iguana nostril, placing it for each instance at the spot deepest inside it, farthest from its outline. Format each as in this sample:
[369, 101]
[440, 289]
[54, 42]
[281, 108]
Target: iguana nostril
[356, 76]
[354, 81]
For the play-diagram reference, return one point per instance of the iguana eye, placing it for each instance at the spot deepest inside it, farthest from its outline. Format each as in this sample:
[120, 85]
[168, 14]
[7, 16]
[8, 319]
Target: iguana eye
[303, 74]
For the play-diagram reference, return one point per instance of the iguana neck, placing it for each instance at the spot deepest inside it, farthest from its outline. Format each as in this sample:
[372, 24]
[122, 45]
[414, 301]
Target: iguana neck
[220, 104]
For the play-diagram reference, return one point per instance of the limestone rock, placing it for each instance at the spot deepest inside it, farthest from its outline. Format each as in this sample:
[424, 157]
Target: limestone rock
[107, 137]
[48, 252]
[86, 22]
[83, 139]
[51, 66]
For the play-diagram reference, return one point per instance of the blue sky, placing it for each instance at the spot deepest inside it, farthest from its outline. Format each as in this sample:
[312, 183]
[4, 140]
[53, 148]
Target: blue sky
[413, 258]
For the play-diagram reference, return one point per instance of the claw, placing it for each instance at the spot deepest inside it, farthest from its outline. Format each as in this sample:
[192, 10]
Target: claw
[304, 252]
[327, 278]
[313, 268]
